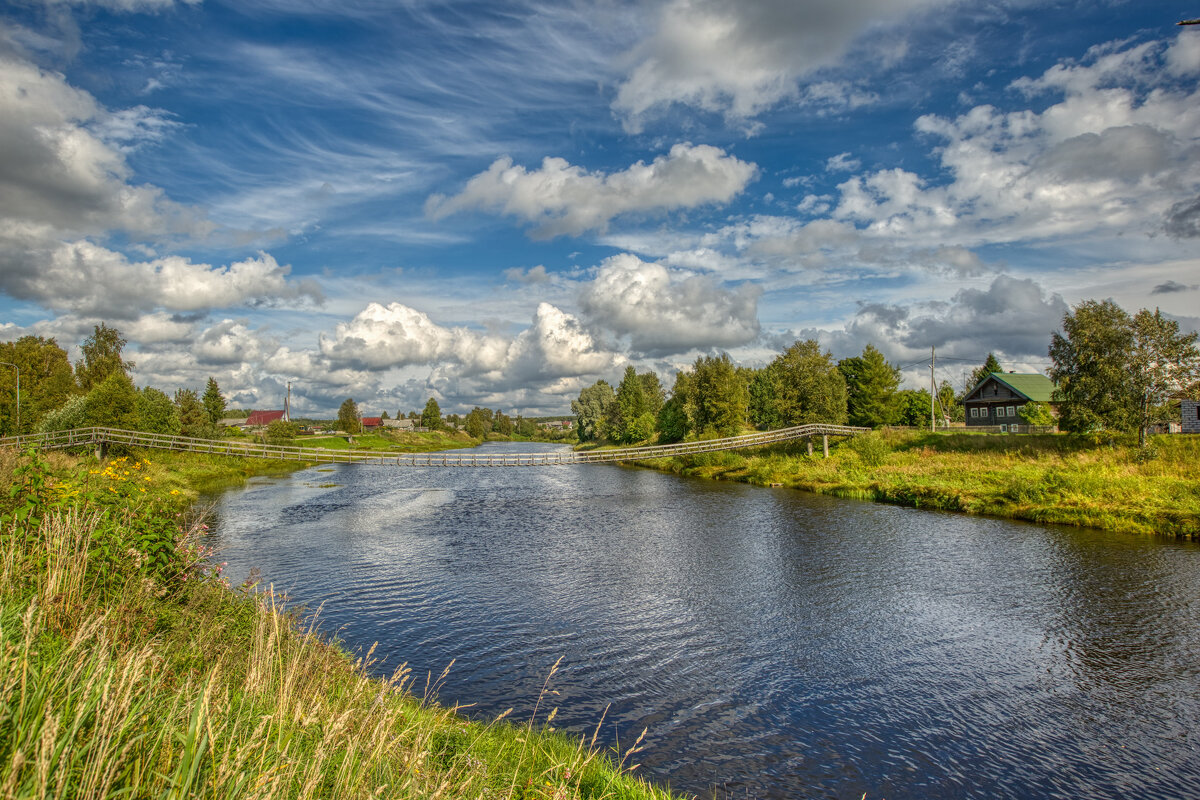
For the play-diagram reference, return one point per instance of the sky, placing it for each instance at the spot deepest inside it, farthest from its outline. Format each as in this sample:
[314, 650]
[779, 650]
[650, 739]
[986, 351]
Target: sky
[499, 203]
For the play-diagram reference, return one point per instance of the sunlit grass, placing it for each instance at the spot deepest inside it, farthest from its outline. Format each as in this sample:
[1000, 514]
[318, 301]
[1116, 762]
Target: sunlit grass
[1105, 482]
[118, 682]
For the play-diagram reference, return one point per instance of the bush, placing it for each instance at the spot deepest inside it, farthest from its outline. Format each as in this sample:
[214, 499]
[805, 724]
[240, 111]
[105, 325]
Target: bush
[281, 432]
[871, 449]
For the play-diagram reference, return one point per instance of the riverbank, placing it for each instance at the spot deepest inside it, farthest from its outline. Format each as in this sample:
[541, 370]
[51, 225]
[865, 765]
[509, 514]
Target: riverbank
[132, 667]
[1105, 482]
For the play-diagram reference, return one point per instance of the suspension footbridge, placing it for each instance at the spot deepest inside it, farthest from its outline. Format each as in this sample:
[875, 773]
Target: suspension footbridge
[102, 438]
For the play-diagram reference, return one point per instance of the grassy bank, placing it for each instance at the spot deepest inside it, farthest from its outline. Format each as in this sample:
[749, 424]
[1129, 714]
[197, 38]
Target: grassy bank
[128, 667]
[1096, 482]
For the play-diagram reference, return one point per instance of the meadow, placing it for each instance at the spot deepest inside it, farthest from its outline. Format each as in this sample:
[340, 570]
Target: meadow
[130, 667]
[1094, 481]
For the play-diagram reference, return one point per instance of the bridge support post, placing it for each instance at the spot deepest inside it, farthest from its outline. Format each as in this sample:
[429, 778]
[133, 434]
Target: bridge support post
[825, 444]
[808, 441]
[101, 450]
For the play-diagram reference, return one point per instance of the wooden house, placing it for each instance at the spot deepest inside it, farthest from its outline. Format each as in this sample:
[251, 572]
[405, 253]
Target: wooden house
[997, 398]
[261, 419]
[1189, 416]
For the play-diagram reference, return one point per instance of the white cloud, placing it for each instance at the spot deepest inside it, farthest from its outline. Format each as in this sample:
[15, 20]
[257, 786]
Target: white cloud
[842, 162]
[665, 313]
[59, 172]
[561, 199]
[554, 346]
[85, 278]
[738, 58]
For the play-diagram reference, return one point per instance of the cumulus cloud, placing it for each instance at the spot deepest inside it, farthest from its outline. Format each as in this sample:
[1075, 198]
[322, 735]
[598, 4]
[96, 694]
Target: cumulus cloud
[1183, 219]
[85, 278]
[1011, 316]
[737, 58]
[665, 313]
[60, 174]
[555, 345]
[1112, 154]
[561, 199]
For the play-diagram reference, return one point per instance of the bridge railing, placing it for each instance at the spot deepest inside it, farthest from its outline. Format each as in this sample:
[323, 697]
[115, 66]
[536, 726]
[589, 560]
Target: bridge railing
[82, 437]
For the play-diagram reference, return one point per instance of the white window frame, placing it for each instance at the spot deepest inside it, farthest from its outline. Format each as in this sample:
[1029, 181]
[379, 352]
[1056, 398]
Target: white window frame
[1012, 411]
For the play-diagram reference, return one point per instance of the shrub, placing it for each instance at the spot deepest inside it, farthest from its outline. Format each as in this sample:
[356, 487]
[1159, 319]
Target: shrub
[871, 449]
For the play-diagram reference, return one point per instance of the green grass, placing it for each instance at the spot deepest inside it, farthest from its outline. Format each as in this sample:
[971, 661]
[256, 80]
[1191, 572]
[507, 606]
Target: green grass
[1103, 482]
[407, 441]
[123, 674]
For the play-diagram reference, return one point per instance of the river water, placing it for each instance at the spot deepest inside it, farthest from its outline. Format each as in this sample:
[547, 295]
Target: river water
[775, 643]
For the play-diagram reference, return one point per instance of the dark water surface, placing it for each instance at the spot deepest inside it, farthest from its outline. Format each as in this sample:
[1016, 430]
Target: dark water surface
[776, 643]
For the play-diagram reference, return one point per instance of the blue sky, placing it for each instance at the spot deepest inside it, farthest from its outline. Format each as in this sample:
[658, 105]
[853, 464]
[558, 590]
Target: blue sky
[499, 203]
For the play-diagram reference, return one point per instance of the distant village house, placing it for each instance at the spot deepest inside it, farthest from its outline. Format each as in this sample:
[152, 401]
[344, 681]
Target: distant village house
[998, 397]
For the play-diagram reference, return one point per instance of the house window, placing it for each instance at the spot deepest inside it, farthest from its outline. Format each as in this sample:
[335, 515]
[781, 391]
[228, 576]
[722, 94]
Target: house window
[1012, 412]
[974, 412]
[999, 411]
[1004, 429]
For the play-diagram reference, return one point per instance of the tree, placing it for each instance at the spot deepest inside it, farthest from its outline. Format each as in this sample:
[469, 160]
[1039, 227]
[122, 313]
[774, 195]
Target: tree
[348, 417]
[989, 366]
[101, 357]
[1092, 368]
[914, 407]
[591, 410]
[800, 386]
[477, 425]
[629, 405]
[502, 424]
[113, 403]
[1163, 362]
[193, 417]
[1037, 414]
[719, 397]
[47, 381]
[214, 403]
[673, 424]
[71, 414]
[281, 432]
[652, 390]
[871, 389]
[431, 417]
[156, 412]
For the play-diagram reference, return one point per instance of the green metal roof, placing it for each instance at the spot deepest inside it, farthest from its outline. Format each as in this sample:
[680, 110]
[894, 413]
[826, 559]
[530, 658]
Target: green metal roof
[1034, 386]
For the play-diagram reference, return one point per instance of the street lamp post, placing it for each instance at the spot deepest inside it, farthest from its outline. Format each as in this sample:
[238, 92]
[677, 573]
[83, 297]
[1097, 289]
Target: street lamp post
[18, 369]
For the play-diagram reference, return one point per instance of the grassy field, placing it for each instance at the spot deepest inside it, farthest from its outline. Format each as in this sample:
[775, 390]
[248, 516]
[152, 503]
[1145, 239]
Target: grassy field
[129, 667]
[407, 441]
[1105, 482]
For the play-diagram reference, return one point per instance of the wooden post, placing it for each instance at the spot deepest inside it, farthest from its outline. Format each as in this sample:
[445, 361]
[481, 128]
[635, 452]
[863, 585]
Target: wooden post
[808, 441]
[825, 443]
[101, 450]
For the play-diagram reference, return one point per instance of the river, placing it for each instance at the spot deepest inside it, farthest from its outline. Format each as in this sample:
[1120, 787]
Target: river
[775, 643]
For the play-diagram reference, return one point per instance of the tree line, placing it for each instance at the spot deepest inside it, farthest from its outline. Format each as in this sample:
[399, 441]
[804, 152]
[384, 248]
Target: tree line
[1113, 371]
[96, 391]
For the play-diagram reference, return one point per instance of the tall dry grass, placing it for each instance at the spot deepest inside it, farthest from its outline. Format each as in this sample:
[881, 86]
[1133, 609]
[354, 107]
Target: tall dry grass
[125, 689]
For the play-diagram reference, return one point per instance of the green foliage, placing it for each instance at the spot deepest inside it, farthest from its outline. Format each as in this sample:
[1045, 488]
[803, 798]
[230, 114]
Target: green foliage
[281, 432]
[1037, 414]
[431, 417]
[214, 402]
[194, 419]
[1092, 369]
[800, 386]
[872, 389]
[914, 407]
[113, 403]
[1163, 361]
[156, 412]
[47, 382]
[479, 423]
[347, 417]
[71, 414]
[592, 409]
[673, 424]
[718, 400]
[625, 422]
[502, 424]
[872, 449]
[101, 357]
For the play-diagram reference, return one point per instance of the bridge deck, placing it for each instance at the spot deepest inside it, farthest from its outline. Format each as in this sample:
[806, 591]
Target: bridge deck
[84, 437]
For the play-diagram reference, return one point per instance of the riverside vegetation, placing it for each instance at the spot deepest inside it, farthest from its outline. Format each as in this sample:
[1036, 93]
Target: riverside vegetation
[1105, 481]
[131, 668]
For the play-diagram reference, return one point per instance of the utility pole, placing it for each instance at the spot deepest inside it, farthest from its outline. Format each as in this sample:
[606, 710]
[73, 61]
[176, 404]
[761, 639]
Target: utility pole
[287, 404]
[18, 369]
[932, 391]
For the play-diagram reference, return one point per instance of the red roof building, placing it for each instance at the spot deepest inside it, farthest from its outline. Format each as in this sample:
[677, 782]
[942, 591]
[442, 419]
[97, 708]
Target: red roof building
[261, 418]
[372, 422]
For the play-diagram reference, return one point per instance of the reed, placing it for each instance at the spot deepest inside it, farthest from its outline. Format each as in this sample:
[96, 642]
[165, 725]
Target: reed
[120, 677]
